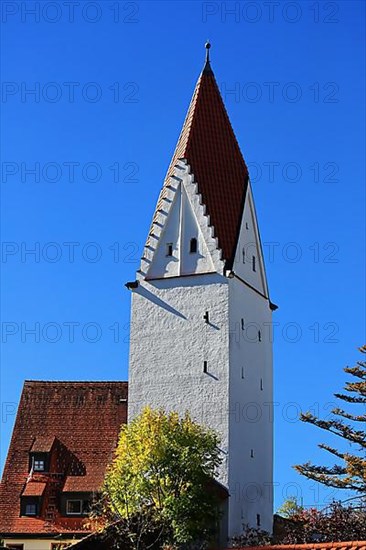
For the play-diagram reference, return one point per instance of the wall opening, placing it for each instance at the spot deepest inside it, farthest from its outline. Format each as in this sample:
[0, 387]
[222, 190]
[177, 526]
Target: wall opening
[193, 246]
[169, 249]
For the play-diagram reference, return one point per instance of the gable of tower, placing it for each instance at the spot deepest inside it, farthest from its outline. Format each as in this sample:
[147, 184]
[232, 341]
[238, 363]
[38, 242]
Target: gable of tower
[249, 262]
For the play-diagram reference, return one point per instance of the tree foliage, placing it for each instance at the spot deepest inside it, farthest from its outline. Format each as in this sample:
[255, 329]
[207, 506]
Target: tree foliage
[350, 473]
[336, 523]
[158, 481]
[289, 508]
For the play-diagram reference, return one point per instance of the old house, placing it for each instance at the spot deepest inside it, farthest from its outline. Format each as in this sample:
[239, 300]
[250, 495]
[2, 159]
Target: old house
[64, 436]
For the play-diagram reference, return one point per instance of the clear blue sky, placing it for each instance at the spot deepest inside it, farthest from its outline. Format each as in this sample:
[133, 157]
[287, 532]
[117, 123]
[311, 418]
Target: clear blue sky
[111, 90]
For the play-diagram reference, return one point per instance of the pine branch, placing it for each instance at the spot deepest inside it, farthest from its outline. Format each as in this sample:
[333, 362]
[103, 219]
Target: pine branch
[336, 427]
[350, 398]
[344, 414]
[331, 477]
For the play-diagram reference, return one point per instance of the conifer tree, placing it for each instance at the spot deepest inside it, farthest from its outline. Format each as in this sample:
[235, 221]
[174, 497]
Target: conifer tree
[350, 471]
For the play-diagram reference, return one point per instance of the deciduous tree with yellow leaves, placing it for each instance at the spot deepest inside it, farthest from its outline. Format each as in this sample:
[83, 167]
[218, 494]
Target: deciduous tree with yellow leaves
[159, 480]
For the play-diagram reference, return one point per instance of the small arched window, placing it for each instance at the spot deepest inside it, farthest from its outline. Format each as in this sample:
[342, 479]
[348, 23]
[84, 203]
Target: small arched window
[193, 246]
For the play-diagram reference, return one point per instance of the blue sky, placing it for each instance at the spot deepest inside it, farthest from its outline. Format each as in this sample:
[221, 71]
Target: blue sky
[111, 84]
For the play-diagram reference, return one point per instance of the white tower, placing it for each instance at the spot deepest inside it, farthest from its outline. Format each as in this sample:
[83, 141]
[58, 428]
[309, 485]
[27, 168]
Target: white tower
[201, 315]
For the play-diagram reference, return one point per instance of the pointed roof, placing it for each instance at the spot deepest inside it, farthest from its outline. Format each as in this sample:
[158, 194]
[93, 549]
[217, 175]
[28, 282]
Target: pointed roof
[208, 143]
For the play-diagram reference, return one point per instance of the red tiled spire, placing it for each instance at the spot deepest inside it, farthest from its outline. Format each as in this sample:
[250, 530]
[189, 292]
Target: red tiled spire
[209, 145]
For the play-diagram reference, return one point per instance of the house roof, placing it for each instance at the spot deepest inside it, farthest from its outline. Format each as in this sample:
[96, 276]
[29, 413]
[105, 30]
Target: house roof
[80, 422]
[208, 143]
[34, 489]
[349, 545]
[43, 444]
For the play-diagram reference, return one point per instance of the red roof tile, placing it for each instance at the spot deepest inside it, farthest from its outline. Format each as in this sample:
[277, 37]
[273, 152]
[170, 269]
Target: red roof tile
[43, 444]
[85, 419]
[34, 489]
[208, 143]
[348, 545]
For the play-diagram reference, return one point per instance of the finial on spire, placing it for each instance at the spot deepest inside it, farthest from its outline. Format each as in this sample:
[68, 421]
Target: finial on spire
[207, 68]
[207, 46]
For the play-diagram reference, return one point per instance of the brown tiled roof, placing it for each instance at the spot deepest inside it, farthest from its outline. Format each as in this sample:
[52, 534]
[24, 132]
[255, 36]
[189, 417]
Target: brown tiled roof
[43, 444]
[34, 489]
[80, 421]
[349, 545]
[209, 145]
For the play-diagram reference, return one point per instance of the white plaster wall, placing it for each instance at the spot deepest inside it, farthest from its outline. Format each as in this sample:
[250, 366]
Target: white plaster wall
[251, 416]
[199, 262]
[249, 241]
[36, 544]
[169, 342]
[163, 265]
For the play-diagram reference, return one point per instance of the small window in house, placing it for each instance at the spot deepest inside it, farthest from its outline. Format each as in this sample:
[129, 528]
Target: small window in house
[259, 336]
[193, 246]
[38, 466]
[169, 249]
[74, 507]
[253, 263]
[258, 520]
[243, 252]
[31, 509]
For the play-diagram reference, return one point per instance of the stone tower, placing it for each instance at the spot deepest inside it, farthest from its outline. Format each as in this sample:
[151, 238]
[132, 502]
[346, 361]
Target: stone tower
[201, 314]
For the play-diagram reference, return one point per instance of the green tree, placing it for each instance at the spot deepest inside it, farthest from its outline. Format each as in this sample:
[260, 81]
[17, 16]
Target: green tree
[158, 481]
[350, 473]
[290, 508]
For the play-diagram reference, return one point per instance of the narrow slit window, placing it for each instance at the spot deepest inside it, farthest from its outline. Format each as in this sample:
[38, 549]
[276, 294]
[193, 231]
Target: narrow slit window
[251, 453]
[169, 249]
[253, 263]
[243, 252]
[243, 372]
[193, 246]
[261, 384]
[246, 225]
[205, 367]
[258, 520]
[242, 324]
[259, 336]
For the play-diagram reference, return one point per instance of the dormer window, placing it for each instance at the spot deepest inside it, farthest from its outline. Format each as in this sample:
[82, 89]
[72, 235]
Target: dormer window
[169, 249]
[39, 466]
[38, 462]
[74, 507]
[30, 506]
[31, 509]
[193, 246]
